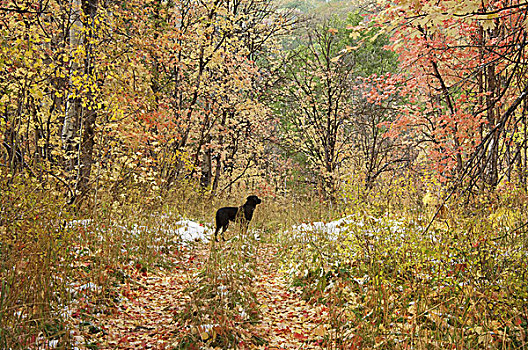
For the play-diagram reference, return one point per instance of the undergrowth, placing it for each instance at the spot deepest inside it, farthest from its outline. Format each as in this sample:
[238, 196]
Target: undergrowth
[383, 281]
[389, 284]
[60, 267]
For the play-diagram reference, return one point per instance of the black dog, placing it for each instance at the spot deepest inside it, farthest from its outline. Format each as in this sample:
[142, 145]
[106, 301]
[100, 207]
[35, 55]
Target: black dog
[242, 214]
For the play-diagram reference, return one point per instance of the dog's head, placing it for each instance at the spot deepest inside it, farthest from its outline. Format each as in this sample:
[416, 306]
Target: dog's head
[253, 200]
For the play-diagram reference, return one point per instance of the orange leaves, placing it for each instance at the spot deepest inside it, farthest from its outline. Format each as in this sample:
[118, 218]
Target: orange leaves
[196, 81]
[287, 320]
[146, 314]
[443, 47]
[207, 332]
[299, 336]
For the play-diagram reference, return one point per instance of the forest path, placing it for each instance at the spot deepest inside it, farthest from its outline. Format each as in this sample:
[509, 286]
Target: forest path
[144, 319]
[288, 321]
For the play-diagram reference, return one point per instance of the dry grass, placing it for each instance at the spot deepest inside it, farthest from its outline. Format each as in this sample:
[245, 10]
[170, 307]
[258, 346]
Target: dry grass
[385, 283]
[390, 285]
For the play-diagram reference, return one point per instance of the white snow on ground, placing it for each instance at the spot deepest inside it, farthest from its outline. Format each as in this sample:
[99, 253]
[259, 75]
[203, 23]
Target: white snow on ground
[333, 230]
[187, 230]
[191, 231]
[82, 222]
[368, 226]
[92, 287]
[333, 227]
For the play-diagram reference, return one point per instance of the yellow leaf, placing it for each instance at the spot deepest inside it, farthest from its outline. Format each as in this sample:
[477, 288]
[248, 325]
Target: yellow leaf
[320, 331]
[355, 35]
[203, 333]
[488, 23]
[336, 59]
[468, 7]
[485, 338]
[352, 48]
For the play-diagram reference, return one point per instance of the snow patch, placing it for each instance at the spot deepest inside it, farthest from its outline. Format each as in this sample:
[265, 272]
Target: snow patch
[191, 231]
[332, 227]
[346, 226]
[81, 222]
[90, 287]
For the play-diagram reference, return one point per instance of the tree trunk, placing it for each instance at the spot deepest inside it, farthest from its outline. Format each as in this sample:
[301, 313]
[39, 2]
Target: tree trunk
[86, 154]
[492, 157]
[89, 117]
[207, 169]
[218, 168]
[218, 157]
[10, 143]
[523, 161]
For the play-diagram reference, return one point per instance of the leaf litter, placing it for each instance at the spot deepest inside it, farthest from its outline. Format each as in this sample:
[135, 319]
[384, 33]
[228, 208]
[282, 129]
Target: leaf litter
[146, 315]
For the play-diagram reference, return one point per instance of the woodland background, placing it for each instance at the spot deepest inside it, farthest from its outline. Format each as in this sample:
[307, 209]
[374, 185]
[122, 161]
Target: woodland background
[135, 114]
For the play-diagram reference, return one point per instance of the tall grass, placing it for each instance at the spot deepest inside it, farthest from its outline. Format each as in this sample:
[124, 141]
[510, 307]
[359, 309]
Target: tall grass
[34, 265]
[384, 282]
[61, 267]
[389, 284]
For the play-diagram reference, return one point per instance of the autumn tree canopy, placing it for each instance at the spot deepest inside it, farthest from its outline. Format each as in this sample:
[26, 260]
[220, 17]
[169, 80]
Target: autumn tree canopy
[464, 72]
[221, 93]
[141, 92]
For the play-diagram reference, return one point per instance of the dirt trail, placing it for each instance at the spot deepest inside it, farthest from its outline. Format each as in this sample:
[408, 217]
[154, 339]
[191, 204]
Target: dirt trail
[288, 322]
[144, 319]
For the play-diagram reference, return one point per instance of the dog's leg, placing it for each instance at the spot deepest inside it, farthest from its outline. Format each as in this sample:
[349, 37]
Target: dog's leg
[224, 230]
[216, 233]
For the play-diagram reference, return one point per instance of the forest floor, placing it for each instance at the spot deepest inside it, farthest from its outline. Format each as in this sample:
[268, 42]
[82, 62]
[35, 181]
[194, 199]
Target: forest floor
[145, 318]
[308, 288]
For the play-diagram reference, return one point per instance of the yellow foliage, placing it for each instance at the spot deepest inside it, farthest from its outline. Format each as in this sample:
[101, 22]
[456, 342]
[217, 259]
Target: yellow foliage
[429, 200]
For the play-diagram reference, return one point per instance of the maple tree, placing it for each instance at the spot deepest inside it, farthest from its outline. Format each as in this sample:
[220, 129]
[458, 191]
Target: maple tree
[465, 72]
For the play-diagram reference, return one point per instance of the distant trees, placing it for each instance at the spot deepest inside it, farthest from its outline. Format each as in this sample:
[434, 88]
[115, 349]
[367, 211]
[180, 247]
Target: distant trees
[376, 152]
[317, 103]
[327, 117]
